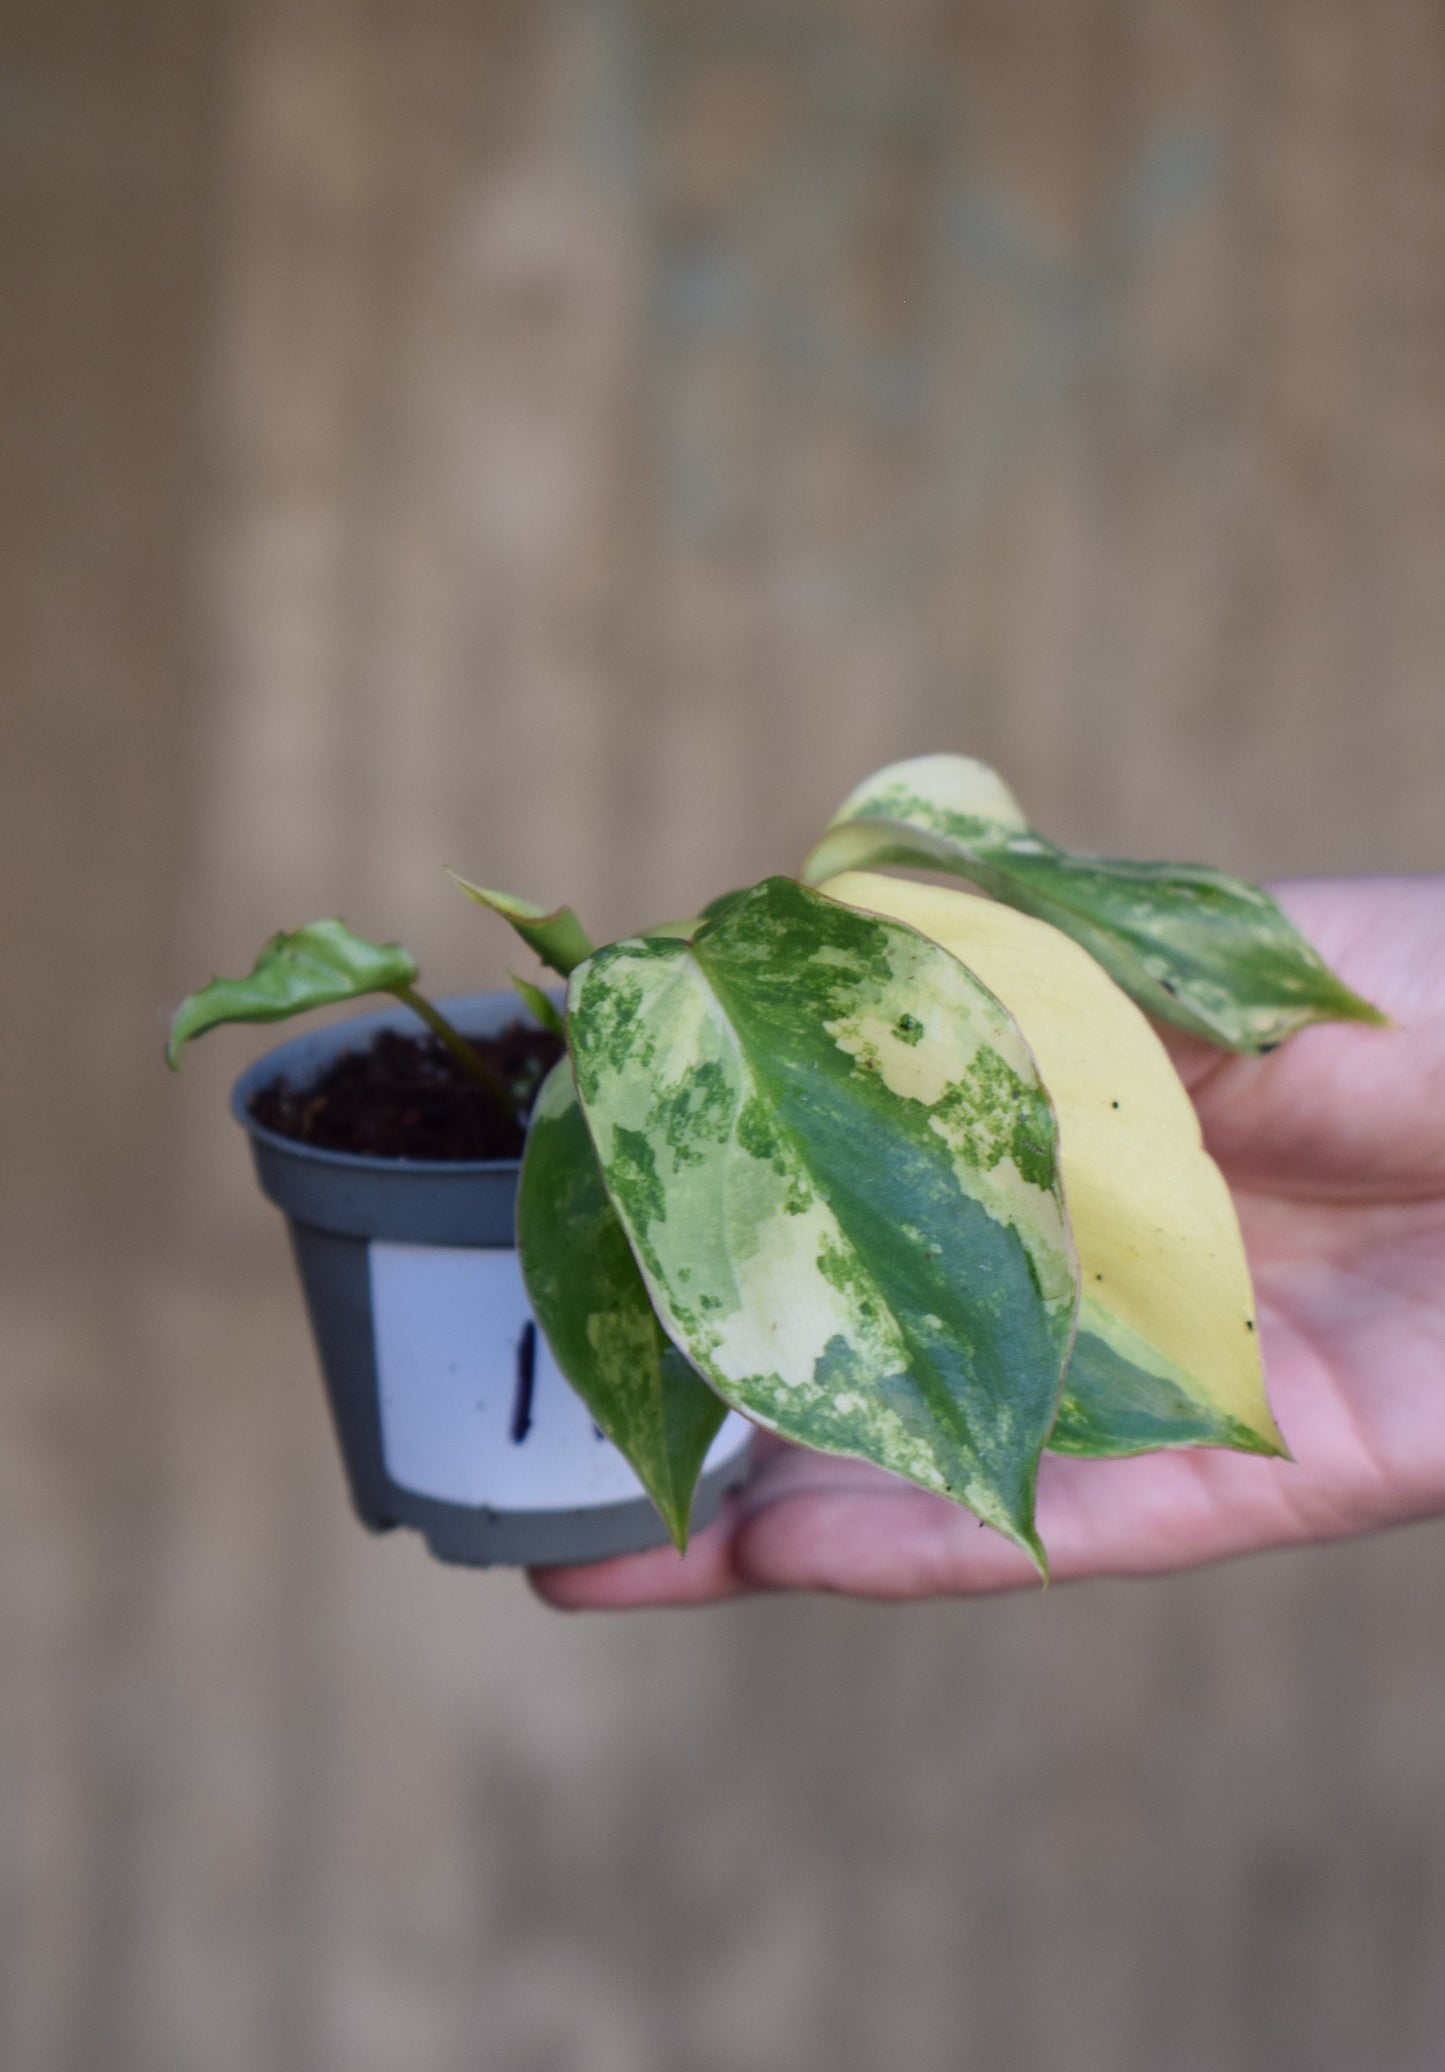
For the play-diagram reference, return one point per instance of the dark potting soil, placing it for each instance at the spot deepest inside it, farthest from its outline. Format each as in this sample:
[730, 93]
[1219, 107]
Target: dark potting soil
[406, 1097]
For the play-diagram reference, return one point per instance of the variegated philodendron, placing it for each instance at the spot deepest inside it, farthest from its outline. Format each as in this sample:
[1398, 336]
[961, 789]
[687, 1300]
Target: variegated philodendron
[897, 1171]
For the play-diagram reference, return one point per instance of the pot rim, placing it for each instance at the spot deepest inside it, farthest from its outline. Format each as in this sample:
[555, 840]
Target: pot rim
[317, 1046]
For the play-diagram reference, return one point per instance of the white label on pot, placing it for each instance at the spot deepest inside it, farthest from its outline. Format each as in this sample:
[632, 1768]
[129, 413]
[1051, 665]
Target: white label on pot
[474, 1409]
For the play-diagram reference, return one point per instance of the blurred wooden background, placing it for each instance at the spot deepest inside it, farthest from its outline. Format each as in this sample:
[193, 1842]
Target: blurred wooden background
[574, 441]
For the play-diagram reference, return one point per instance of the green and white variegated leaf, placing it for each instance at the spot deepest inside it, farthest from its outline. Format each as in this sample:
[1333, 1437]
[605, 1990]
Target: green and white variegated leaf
[558, 937]
[1123, 1396]
[315, 966]
[1193, 946]
[590, 1301]
[837, 1168]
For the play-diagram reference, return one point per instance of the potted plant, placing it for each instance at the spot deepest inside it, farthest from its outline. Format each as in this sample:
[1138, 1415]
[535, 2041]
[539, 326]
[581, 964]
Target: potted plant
[889, 1168]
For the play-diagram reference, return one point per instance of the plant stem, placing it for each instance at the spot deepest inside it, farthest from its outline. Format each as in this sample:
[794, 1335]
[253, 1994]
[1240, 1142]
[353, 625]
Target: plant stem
[471, 1061]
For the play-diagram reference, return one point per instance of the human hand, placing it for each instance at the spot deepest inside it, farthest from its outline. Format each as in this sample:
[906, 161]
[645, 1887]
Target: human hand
[1334, 1147]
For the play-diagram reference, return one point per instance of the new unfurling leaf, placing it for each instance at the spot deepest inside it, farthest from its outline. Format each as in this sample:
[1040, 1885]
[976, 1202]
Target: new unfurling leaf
[558, 937]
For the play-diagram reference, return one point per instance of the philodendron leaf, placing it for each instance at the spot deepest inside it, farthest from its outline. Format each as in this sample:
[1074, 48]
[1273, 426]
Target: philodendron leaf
[1195, 947]
[835, 1162]
[1166, 1352]
[558, 937]
[315, 966]
[590, 1300]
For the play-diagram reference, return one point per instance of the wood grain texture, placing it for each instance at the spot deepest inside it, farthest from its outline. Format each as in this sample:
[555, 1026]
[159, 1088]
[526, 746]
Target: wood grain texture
[573, 442]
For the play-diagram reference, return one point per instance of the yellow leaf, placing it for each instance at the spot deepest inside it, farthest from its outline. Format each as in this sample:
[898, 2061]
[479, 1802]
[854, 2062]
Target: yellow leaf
[1162, 1265]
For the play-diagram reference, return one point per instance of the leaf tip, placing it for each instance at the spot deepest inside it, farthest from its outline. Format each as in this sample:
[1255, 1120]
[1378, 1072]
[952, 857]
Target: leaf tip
[676, 1515]
[1259, 1435]
[1271, 1444]
[1024, 1534]
[1338, 1002]
[180, 1030]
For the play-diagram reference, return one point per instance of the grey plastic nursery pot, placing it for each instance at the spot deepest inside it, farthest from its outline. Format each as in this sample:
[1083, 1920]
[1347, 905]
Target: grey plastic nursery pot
[452, 1417]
